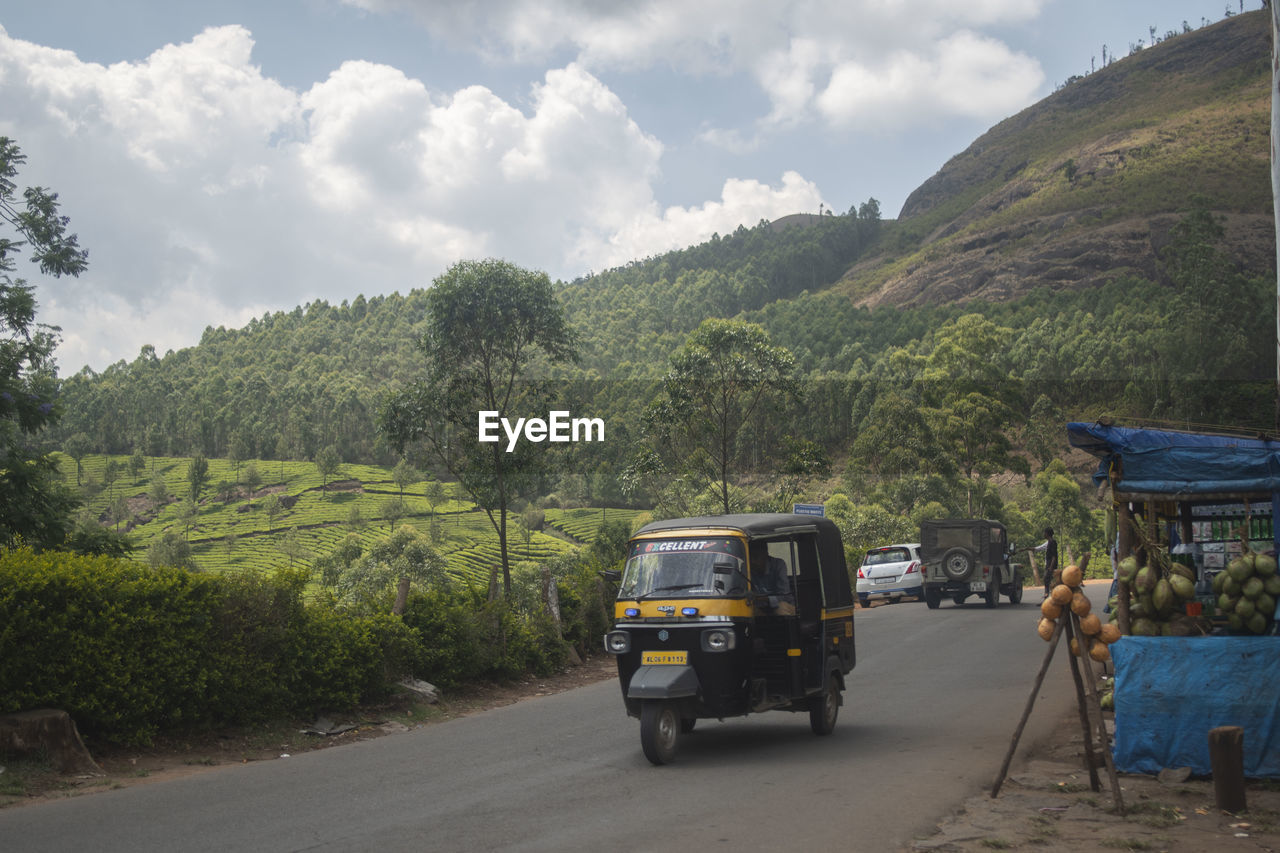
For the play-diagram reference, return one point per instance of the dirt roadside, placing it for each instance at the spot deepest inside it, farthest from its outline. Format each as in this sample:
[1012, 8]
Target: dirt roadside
[1045, 803]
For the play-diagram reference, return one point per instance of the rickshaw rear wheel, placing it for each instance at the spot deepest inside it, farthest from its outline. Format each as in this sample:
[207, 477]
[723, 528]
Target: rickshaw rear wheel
[824, 709]
[659, 730]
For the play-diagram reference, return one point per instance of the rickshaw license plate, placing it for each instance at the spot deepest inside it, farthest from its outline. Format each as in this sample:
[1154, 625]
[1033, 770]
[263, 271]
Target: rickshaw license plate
[663, 658]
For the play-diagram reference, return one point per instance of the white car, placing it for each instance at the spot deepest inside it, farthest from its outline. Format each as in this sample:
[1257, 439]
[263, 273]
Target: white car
[890, 573]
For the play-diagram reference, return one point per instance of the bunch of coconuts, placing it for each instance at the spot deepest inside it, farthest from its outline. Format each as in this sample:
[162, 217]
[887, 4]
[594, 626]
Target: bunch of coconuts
[1158, 593]
[1247, 591]
[1067, 598]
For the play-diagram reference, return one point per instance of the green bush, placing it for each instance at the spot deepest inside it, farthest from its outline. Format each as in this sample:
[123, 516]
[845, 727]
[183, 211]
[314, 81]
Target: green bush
[115, 644]
[130, 651]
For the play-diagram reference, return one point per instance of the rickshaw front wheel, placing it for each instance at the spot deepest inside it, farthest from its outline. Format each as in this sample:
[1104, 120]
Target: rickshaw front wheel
[659, 730]
[824, 709]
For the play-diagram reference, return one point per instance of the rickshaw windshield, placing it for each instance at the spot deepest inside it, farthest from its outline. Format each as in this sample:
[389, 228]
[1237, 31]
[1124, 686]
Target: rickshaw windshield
[674, 568]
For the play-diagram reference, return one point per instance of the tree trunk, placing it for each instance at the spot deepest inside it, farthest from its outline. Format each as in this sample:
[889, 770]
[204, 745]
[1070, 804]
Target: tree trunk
[50, 731]
[402, 597]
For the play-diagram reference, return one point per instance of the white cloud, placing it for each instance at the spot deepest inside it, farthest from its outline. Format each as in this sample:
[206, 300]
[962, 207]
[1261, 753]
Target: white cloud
[742, 202]
[965, 75]
[208, 193]
[805, 55]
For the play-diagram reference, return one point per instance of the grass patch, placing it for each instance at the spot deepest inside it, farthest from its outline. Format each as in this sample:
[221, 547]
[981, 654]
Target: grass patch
[1154, 814]
[996, 844]
[1127, 844]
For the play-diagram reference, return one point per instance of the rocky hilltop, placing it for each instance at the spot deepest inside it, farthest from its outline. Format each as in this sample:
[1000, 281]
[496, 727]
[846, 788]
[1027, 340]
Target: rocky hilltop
[1084, 186]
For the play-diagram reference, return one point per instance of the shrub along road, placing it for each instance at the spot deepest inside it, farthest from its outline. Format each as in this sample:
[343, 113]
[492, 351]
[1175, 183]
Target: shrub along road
[927, 719]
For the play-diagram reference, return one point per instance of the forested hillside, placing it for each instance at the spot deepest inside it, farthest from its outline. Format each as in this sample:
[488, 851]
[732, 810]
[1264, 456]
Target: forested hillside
[1107, 251]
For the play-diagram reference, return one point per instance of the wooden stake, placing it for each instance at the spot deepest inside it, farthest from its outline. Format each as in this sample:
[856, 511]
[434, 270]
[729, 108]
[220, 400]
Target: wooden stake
[1226, 760]
[1026, 712]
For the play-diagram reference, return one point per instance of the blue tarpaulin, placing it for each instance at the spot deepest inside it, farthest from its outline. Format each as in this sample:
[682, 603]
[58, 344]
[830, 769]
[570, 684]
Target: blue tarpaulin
[1170, 691]
[1167, 462]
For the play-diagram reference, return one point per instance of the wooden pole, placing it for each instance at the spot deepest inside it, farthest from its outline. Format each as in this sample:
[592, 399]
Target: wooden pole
[1026, 712]
[1075, 662]
[1226, 760]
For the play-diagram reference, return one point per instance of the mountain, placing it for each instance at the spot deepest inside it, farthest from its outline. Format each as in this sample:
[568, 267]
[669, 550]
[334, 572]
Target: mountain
[1052, 226]
[1086, 184]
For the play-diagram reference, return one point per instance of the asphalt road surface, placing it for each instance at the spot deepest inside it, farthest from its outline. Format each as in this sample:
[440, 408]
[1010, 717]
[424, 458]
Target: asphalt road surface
[927, 719]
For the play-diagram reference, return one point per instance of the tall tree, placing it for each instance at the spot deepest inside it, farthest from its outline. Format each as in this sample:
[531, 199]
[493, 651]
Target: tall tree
[487, 321]
[716, 385]
[34, 505]
[197, 475]
[327, 463]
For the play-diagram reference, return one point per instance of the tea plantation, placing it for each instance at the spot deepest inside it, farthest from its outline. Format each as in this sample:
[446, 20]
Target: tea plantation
[294, 516]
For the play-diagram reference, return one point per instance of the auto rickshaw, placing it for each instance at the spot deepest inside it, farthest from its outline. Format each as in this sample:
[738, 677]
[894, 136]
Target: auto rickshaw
[723, 616]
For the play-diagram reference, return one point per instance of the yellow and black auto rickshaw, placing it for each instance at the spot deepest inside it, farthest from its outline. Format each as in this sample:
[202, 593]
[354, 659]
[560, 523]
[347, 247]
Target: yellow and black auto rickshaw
[724, 616]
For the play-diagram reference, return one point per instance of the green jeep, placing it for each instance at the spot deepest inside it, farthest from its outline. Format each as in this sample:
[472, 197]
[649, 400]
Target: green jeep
[963, 557]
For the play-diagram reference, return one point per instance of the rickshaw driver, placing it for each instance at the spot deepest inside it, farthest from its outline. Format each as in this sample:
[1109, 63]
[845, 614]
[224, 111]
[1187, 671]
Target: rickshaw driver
[769, 576]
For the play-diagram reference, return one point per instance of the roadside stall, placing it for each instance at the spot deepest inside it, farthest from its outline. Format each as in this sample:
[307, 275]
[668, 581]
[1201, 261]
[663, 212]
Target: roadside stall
[1195, 555]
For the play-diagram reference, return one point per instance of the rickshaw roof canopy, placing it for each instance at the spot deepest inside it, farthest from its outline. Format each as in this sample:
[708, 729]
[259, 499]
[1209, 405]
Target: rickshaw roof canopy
[752, 524]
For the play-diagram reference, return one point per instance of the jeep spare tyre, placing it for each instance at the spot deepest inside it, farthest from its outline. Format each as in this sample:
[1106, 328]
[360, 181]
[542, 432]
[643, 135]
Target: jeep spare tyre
[957, 564]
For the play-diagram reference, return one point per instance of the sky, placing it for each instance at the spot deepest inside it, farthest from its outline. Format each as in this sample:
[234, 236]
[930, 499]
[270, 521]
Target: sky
[223, 160]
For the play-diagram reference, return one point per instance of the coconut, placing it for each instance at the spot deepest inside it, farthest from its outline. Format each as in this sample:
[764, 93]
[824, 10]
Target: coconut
[1090, 624]
[1239, 569]
[1272, 585]
[1235, 622]
[1062, 594]
[1253, 587]
[1245, 608]
[1257, 623]
[1050, 609]
[1107, 700]
[1109, 633]
[1226, 603]
[1231, 586]
[1219, 579]
[1163, 597]
[1098, 651]
[1080, 604]
[1072, 576]
[1045, 629]
[1265, 604]
[1128, 569]
[1144, 627]
[1182, 570]
[1264, 565]
[1183, 587]
[1146, 578]
[1075, 647]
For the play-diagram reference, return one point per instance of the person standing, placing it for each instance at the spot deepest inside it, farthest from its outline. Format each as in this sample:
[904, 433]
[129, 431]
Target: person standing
[1050, 548]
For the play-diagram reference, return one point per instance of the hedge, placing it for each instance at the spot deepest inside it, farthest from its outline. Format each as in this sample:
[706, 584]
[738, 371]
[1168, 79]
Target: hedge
[130, 651]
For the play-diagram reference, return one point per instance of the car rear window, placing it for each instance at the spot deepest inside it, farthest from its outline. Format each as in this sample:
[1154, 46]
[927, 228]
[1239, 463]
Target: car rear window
[886, 555]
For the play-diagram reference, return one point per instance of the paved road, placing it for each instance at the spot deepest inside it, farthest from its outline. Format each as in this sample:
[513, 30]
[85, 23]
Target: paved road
[933, 702]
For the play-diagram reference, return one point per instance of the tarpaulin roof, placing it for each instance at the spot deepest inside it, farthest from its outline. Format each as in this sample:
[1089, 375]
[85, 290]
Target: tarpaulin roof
[1168, 462]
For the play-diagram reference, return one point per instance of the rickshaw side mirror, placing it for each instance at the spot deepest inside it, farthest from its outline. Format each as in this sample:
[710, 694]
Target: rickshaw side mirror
[613, 575]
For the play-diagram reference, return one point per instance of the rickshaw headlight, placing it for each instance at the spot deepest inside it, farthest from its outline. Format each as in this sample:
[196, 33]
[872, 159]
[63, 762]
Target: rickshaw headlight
[718, 640]
[617, 642]
[632, 611]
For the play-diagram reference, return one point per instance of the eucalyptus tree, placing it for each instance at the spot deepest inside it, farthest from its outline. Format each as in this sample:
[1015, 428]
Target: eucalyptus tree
[34, 504]
[487, 323]
[717, 383]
